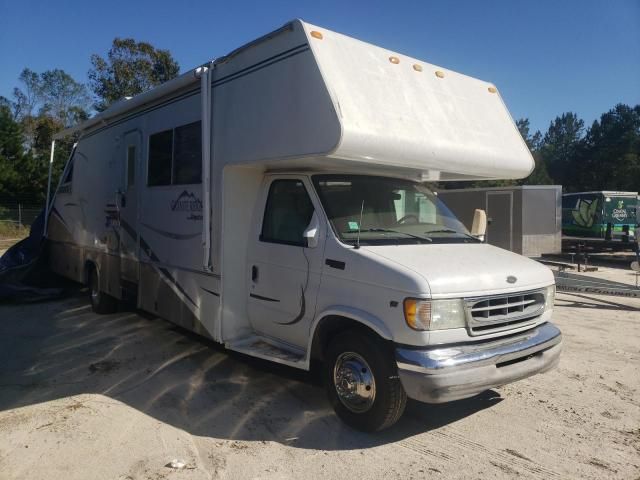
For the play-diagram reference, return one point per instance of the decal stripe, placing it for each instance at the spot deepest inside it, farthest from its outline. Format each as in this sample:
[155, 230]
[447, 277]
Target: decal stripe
[57, 214]
[266, 299]
[147, 249]
[129, 229]
[169, 277]
[188, 94]
[303, 309]
[174, 236]
[261, 67]
[262, 64]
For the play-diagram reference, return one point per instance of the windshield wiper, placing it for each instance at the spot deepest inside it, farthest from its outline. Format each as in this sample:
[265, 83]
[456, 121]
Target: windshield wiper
[448, 230]
[388, 230]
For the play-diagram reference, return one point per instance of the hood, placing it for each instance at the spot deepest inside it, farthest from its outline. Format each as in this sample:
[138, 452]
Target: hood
[462, 269]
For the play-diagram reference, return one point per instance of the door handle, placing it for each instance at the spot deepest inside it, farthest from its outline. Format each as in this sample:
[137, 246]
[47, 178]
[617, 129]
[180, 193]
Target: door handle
[254, 273]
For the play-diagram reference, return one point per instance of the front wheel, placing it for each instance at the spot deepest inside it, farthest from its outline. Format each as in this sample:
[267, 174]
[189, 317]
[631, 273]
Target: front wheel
[362, 382]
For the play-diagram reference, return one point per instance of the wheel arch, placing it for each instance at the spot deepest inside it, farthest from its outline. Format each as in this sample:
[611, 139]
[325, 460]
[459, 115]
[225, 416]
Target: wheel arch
[338, 319]
[89, 265]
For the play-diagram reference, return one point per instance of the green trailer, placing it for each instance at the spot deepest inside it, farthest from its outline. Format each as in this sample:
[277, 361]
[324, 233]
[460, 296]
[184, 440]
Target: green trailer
[605, 214]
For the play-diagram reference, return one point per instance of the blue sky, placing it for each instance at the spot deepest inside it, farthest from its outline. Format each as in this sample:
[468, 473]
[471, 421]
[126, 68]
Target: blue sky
[546, 56]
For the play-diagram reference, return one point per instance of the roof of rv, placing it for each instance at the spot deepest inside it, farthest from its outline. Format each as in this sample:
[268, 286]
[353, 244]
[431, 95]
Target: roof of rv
[306, 92]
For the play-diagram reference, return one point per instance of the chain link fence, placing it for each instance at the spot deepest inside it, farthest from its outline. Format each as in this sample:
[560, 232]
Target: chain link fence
[17, 215]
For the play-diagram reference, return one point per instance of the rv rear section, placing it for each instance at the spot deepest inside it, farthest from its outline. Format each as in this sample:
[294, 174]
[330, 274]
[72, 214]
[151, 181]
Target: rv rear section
[274, 201]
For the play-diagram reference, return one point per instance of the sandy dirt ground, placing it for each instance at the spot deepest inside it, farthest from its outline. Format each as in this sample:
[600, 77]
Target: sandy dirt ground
[120, 396]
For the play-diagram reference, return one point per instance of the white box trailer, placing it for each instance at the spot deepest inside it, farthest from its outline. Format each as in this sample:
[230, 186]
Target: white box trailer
[525, 219]
[272, 201]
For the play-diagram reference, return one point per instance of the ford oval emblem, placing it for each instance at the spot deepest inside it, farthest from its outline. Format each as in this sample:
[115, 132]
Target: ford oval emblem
[511, 279]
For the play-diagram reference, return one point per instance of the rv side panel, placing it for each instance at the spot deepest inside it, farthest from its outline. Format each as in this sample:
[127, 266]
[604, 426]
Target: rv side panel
[140, 222]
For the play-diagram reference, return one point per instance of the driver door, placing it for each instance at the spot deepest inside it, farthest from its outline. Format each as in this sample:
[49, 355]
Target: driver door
[284, 272]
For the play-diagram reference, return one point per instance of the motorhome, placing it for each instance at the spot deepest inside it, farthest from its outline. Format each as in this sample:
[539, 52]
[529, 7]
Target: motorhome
[274, 200]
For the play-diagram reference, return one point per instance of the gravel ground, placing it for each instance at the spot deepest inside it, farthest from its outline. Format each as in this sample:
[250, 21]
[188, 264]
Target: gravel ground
[121, 396]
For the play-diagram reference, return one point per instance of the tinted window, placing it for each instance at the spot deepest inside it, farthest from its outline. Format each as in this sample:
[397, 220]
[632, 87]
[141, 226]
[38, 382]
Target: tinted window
[287, 214]
[160, 149]
[187, 154]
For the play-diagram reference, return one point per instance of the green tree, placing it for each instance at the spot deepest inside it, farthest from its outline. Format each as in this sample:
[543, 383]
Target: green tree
[51, 94]
[63, 98]
[11, 153]
[560, 147]
[130, 68]
[610, 155]
[27, 98]
[43, 104]
[539, 176]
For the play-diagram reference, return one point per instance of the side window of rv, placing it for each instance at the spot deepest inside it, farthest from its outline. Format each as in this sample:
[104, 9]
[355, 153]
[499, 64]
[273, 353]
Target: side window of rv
[175, 156]
[187, 154]
[160, 148]
[287, 213]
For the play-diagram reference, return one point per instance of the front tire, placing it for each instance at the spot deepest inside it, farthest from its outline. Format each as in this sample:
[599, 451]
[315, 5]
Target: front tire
[362, 381]
[100, 301]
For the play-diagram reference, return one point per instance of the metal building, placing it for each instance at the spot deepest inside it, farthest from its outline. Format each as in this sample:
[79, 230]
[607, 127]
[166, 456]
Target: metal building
[526, 220]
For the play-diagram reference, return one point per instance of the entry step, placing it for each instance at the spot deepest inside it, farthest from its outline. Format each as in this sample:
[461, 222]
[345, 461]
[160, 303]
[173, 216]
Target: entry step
[266, 349]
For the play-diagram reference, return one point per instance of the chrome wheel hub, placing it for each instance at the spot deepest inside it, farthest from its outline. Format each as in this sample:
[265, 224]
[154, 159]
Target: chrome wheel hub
[354, 382]
[94, 289]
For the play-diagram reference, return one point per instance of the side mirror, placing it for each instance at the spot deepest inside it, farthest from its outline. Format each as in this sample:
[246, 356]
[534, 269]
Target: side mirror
[479, 227]
[312, 232]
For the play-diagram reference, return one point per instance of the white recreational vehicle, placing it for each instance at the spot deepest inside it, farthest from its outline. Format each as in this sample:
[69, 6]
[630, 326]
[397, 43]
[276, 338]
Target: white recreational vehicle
[273, 200]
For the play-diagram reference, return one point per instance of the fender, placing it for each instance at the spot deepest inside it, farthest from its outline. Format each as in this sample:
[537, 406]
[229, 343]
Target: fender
[361, 316]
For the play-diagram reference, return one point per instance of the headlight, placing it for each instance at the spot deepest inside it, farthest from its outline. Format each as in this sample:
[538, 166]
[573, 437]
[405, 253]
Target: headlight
[549, 297]
[434, 314]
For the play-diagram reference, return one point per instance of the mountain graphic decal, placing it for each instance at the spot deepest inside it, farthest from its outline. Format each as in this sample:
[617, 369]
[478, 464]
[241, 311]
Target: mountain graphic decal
[186, 202]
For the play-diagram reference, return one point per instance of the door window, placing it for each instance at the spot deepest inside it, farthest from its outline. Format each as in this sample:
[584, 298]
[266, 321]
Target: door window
[287, 214]
[131, 166]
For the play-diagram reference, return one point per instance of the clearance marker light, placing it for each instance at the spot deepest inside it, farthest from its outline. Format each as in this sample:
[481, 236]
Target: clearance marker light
[316, 34]
[417, 68]
[439, 74]
[394, 60]
[492, 89]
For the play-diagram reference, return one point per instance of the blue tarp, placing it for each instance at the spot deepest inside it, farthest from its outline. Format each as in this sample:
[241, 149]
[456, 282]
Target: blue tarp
[24, 273]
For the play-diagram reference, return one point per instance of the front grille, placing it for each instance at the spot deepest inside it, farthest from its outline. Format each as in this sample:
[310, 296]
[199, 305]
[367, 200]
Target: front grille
[502, 312]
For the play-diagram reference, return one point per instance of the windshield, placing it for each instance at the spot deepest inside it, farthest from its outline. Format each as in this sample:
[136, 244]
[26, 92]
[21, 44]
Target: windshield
[384, 210]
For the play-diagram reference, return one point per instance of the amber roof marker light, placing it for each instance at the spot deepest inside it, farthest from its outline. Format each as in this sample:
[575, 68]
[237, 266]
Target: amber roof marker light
[492, 90]
[316, 34]
[394, 60]
[439, 74]
[417, 68]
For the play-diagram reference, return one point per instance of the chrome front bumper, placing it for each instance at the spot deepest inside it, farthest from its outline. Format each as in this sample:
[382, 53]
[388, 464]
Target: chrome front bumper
[441, 374]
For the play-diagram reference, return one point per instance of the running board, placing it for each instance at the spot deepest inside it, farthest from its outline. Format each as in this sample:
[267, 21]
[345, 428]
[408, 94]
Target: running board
[261, 347]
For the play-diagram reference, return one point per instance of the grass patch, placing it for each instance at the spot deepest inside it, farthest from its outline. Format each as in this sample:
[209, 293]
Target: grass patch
[13, 231]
